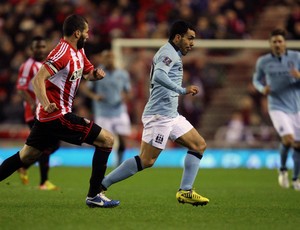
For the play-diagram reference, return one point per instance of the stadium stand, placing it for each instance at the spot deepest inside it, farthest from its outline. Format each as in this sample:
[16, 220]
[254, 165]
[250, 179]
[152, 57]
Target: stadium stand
[109, 19]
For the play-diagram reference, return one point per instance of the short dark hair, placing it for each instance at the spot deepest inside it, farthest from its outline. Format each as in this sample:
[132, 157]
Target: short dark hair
[180, 27]
[72, 23]
[278, 31]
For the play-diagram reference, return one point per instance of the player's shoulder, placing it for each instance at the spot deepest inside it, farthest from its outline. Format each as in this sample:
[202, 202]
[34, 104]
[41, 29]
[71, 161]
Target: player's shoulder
[62, 49]
[28, 61]
[264, 58]
[29, 64]
[293, 53]
[167, 51]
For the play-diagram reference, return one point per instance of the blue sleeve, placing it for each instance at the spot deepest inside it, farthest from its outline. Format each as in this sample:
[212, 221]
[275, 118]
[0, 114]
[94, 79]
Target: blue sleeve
[161, 77]
[258, 76]
[127, 84]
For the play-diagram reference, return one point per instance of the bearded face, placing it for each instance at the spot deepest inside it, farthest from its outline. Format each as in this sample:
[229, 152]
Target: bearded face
[83, 37]
[81, 42]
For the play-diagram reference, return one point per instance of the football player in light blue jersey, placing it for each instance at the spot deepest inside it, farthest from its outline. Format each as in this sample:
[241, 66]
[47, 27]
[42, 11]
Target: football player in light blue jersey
[161, 120]
[109, 101]
[277, 76]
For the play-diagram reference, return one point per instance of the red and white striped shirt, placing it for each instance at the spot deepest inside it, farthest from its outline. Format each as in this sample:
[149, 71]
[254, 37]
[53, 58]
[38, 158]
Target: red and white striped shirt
[26, 72]
[66, 66]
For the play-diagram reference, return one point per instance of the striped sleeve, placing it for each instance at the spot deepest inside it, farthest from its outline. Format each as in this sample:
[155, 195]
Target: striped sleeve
[57, 59]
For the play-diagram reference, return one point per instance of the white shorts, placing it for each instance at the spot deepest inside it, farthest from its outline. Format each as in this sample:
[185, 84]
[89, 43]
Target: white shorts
[286, 123]
[158, 129]
[117, 125]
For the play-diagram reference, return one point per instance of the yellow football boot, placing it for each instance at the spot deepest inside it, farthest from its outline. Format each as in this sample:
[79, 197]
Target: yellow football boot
[191, 197]
[48, 186]
[23, 176]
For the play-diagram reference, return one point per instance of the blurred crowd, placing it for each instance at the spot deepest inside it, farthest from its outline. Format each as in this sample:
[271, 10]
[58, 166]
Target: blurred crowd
[20, 20]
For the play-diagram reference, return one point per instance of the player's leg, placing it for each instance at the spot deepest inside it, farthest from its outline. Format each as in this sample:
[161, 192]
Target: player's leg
[23, 171]
[186, 135]
[296, 171]
[103, 146]
[296, 154]
[285, 145]
[27, 155]
[283, 124]
[155, 133]
[121, 149]
[147, 157]
[283, 151]
[44, 165]
[121, 126]
[196, 146]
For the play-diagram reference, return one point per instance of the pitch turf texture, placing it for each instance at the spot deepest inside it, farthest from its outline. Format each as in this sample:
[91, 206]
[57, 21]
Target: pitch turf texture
[239, 199]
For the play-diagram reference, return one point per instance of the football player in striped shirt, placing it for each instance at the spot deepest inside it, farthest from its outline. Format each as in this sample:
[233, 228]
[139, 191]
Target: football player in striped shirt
[55, 86]
[27, 71]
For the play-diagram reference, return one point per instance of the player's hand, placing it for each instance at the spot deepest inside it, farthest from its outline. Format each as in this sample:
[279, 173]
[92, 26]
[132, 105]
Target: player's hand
[266, 90]
[98, 74]
[51, 108]
[193, 89]
[98, 97]
[295, 73]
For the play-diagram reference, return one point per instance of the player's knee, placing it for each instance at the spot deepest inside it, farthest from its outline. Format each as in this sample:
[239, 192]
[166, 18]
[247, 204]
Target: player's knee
[147, 163]
[287, 140]
[108, 141]
[29, 155]
[199, 147]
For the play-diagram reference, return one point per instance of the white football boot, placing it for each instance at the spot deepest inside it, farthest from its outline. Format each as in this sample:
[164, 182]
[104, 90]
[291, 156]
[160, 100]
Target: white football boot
[283, 179]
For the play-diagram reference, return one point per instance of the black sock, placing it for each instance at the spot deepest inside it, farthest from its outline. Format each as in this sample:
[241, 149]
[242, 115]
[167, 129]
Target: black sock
[99, 166]
[10, 165]
[44, 167]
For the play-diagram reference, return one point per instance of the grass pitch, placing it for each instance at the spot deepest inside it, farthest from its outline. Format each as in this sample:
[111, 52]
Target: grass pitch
[239, 199]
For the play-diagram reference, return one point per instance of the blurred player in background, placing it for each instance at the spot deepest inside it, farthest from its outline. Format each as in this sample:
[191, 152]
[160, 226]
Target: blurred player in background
[55, 86]
[26, 72]
[277, 76]
[109, 101]
[162, 121]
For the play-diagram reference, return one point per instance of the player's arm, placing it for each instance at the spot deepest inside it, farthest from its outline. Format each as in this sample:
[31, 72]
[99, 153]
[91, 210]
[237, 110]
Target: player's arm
[127, 91]
[295, 73]
[39, 87]
[26, 97]
[85, 90]
[126, 96]
[258, 78]
[95, 75]
[161, 77]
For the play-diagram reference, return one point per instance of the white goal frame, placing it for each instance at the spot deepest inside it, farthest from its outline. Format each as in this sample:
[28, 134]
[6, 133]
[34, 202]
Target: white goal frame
[119, 43]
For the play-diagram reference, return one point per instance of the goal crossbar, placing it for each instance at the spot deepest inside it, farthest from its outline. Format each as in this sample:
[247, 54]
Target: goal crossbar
[119, 43]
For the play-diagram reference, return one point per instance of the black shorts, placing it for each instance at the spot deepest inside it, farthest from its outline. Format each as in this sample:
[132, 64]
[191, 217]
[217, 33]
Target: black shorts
[69, 128]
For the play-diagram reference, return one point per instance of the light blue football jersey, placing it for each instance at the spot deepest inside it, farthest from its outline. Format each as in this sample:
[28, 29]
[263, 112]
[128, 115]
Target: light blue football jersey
[165, 82]
[111, 87]
[285, 89]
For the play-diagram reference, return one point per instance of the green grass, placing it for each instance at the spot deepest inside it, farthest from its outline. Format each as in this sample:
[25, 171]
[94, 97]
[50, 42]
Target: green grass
[239, 199]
